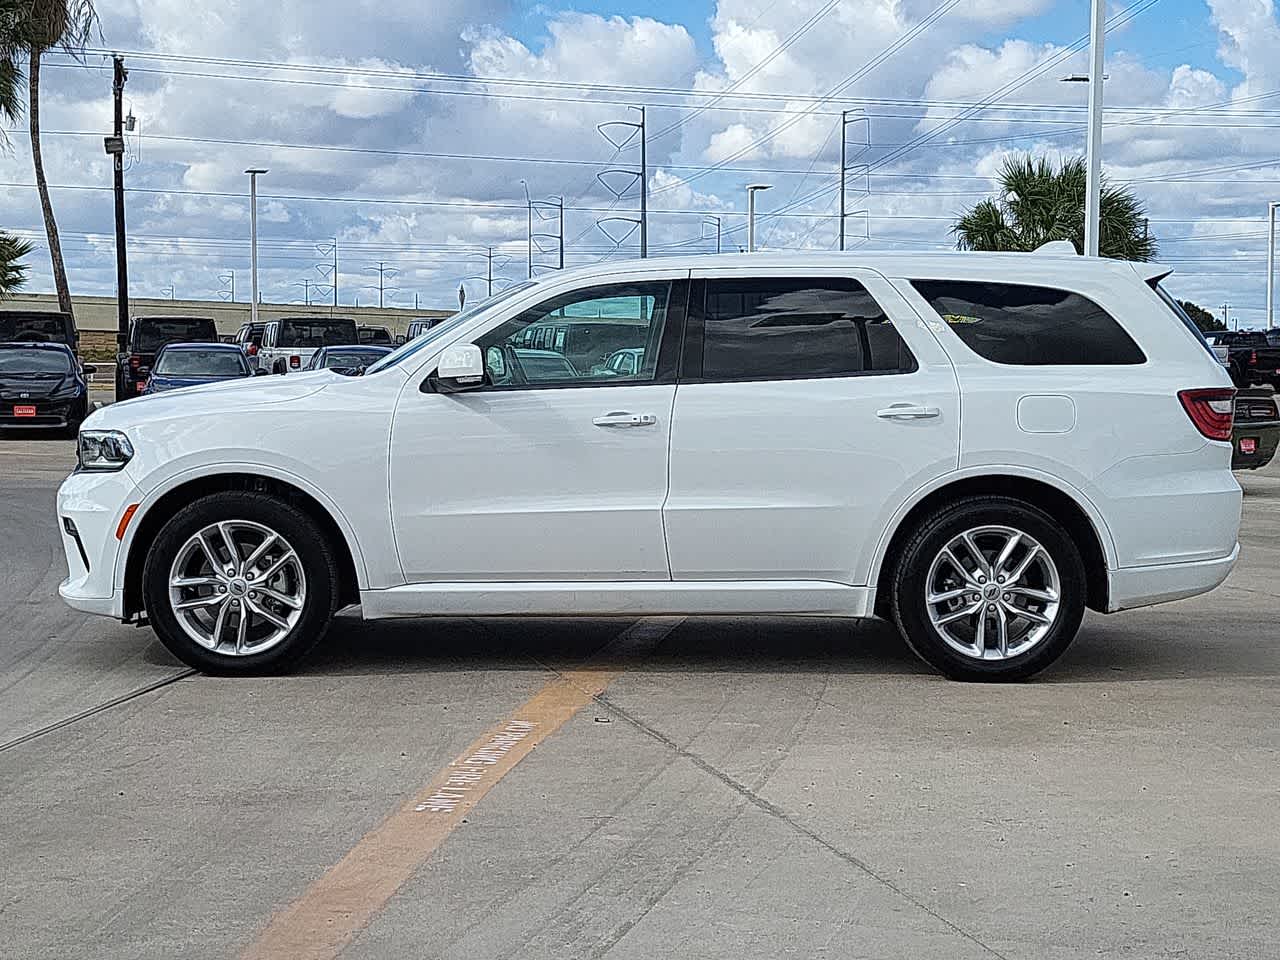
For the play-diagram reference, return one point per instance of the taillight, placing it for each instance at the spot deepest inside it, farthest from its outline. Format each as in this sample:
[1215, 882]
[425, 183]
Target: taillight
[253, 350]
[135, 361]
[142, 385]
[1253, 358]
[1211, 410]
[295, 362]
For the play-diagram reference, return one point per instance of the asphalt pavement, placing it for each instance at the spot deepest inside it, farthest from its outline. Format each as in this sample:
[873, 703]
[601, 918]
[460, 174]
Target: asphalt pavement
[587, 788]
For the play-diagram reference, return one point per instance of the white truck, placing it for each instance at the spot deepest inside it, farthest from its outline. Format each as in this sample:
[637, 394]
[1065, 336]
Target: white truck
[288, 343]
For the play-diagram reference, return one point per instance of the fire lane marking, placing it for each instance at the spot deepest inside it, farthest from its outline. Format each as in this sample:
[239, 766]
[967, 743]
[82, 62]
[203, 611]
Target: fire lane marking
[343, 901]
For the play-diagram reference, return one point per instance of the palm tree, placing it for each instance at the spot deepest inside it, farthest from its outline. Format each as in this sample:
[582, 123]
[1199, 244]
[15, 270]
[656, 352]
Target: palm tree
[12, 273]
[29, 28]
[1038, 203]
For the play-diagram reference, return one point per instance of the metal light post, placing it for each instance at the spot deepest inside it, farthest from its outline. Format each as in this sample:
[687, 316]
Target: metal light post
[1271, 262]
[253, 241]
[752, 190]
[1093, 182]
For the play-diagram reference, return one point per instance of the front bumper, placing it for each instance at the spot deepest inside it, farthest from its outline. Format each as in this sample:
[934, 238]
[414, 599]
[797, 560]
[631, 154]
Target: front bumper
[49, 414]
[1143, 586]
[90, 506]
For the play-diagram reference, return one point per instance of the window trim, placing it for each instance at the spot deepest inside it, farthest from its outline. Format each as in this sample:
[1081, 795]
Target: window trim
[671, 339]
[691, 359]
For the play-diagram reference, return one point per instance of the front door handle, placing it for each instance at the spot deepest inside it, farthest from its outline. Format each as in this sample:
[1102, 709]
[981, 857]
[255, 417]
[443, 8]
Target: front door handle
[623, 419]
[908, 411]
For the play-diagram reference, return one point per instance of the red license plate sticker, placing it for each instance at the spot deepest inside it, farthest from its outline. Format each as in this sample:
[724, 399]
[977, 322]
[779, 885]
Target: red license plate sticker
[1248, 445]
[24, 410]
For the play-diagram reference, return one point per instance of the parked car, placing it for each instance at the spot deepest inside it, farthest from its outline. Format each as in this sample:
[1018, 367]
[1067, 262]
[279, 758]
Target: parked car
[1251, 356]
[1256, 430]
[977, 446]
[192, 364]
[249, 337]
[288, 344]
[346, 359]
[374, 336]
[38, 326]
[42, 385]
[146, 336]
[420, 326]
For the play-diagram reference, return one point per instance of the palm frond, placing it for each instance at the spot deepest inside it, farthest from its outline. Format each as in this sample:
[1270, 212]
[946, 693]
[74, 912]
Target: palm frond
[13, 273]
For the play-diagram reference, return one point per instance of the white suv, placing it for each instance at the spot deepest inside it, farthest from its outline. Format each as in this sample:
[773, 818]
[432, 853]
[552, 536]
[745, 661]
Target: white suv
[978, 446]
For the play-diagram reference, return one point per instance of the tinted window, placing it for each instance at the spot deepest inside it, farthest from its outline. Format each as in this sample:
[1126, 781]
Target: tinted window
[317, 333]
[1034, 326]
[34, 362]
[352, 358]
[571, 338]
[201, 363]
[786, 328]
[36, 328]
[149, 335]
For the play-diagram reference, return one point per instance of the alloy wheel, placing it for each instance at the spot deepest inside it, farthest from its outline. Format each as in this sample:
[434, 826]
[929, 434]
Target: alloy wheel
[237, 587]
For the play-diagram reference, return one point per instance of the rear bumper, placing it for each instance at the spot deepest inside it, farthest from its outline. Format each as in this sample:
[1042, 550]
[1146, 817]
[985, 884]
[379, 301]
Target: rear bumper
[1142, 586]
[1266, 437]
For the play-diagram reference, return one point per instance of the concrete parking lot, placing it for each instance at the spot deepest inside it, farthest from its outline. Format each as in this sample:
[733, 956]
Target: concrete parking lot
[735, 788]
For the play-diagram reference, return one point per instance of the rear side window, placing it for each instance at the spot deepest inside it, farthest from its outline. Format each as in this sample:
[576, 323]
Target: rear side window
[787, 328]
[1030, 326]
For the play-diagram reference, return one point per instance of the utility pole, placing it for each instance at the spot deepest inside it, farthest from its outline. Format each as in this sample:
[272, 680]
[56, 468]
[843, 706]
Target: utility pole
[253, 241]
[228, 277]
[644, 190]
[335, 272]
[844, 164]
[707, 221]
[1225, 322]
[1271, 263]
[1093, 183]
[560, 206]
[528, 201]
[306, 285]
[115, 148]
[751, 213]
[383, 270]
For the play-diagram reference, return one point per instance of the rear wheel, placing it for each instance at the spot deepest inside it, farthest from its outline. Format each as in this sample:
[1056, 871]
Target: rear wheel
[989, 588]
[240, 582]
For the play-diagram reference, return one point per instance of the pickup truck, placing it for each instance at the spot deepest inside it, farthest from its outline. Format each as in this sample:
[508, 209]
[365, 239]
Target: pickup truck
[1250, 356]
[1256, 430]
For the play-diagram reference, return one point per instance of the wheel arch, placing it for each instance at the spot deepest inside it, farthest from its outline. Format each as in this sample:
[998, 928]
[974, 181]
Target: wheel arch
[1067, 506]
[181, 491]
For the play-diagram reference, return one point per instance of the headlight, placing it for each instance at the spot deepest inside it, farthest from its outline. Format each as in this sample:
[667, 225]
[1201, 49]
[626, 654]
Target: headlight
[103, 450]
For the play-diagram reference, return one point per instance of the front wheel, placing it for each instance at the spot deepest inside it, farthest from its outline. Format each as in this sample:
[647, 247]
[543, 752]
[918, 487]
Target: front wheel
[989, 588]
[240, 582]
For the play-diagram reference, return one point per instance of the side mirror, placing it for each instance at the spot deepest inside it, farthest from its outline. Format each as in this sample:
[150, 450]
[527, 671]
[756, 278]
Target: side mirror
[88, 369]
[461, 368]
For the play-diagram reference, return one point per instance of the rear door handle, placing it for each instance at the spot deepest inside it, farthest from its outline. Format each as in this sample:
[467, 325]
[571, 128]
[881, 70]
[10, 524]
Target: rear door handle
[908, 411]
[623, 419]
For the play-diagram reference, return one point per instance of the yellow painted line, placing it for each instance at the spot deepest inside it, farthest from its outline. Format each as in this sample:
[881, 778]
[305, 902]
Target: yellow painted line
[320, 923]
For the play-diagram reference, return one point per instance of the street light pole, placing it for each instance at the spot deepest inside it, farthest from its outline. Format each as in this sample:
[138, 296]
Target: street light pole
[1271, 263]
[1093, 182]
[752, 190]
[253, 241]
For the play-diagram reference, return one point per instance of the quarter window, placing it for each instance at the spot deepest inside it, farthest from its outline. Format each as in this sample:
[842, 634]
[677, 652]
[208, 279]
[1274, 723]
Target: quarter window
[797, 328]
[576, 338]
[1028, 325]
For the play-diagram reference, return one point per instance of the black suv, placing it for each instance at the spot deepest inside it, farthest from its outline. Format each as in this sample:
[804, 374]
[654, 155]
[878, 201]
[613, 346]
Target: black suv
[146, 336]
[38, 326]
[42, 385]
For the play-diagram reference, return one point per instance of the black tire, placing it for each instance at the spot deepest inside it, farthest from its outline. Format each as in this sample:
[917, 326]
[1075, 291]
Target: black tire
[315, 553]
[910, 575]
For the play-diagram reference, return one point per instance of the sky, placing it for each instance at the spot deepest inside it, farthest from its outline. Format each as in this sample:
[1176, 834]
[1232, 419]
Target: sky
[403, 130]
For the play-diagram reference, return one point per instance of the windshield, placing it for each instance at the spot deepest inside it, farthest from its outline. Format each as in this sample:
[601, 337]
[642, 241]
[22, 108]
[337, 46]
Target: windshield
[151, 335]
[351, 358]
[317, 333]
[201, 363]
[53, 362]
[447, 326]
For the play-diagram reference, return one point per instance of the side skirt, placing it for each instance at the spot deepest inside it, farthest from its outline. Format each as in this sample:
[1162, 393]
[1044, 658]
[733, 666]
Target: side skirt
[619, 598]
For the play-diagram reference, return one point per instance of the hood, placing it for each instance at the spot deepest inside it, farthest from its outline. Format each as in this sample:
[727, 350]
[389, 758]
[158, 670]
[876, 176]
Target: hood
[242, 393]
[161, 382]
[37, 388]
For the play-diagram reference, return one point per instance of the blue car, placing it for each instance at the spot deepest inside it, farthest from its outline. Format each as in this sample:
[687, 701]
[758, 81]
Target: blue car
[191, 364]
[346, 359]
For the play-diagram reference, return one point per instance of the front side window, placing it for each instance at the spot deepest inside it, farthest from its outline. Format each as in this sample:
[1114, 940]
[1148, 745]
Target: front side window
[794, 328]
[575, 337]
[1029, 326]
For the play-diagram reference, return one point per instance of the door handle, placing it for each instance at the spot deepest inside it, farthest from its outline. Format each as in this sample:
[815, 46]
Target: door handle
[908, 411]
[623, 419]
